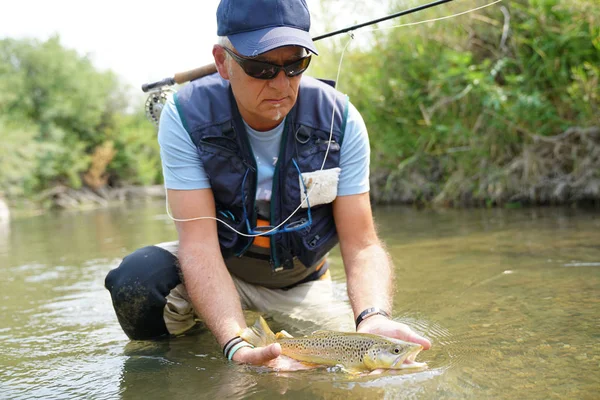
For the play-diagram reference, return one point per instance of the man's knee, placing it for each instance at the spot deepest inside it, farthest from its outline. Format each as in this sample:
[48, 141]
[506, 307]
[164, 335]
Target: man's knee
[139, 287]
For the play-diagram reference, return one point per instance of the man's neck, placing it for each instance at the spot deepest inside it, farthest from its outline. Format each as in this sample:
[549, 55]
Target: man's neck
[258, 123]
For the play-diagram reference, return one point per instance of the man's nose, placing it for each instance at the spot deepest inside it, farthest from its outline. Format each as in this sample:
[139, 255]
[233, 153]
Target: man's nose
[280, 82]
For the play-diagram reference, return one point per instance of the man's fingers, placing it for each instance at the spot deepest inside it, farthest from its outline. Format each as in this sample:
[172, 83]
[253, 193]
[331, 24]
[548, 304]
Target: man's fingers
[259, 355]
[272, 351]
[413, 337]
[395, 329]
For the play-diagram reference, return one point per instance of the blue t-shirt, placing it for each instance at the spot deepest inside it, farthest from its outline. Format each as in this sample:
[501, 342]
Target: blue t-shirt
[183, 170]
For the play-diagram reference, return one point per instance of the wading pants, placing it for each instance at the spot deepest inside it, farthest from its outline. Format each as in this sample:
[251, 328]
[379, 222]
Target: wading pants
[151, 301]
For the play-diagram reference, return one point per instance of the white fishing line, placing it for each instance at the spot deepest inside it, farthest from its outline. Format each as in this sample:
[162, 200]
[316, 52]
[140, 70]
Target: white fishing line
[434, 19]
[351, 34]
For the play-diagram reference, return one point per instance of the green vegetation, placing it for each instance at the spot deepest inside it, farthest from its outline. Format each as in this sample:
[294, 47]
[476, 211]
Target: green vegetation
[496, 107]
[64, 124]
[467, 110]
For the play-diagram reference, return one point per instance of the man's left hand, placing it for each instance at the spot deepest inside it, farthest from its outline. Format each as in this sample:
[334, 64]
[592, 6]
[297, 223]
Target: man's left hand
[380, 325]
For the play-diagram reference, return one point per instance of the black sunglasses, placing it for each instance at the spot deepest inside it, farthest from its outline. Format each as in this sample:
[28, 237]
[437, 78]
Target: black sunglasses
[265, 70]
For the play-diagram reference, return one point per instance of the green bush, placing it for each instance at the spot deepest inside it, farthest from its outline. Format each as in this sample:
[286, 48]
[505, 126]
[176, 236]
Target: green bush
[56, 110]
[457, 100]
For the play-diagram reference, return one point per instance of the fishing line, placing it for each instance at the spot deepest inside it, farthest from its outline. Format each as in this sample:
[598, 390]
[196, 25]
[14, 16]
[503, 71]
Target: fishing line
[434, 19]
[314, 184]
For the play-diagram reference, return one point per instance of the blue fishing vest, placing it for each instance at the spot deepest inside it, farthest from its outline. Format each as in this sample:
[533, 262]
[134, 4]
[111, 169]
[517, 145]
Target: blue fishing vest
[210, 115]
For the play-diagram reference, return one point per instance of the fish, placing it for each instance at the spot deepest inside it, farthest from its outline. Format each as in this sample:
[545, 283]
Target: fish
[354, 352]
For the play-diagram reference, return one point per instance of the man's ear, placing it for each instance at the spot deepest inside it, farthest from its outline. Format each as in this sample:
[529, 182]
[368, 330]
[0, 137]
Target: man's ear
[221, 61]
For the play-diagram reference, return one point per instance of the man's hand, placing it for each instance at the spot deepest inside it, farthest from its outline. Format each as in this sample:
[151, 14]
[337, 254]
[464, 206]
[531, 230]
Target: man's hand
[269, 356]
[380, 325]
[258, 355]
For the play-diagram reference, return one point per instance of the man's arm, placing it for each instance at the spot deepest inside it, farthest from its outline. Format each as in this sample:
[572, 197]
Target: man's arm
[206, 278]
[369, 270]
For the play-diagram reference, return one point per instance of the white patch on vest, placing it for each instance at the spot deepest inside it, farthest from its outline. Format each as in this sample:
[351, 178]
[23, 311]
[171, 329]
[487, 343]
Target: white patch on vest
[321, 186]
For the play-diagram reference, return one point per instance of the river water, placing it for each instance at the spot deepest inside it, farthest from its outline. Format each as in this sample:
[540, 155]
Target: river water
[509, 298]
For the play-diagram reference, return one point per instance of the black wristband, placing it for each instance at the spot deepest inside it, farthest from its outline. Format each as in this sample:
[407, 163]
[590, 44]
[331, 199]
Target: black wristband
[232, 342]
[369, 312]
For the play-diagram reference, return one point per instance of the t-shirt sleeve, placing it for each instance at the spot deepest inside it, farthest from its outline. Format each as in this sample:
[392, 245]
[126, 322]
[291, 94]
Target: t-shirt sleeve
[355, 156]
[181, 164]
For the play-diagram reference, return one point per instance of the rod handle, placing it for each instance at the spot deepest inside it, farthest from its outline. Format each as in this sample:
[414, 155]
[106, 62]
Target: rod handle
[182, 77]
[186, 76]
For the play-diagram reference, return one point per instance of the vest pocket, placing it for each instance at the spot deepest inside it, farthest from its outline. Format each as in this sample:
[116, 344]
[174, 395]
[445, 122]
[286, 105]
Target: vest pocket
[320, 236]
[225, 150]
[219, 144]
[311, 245]
[320, 146]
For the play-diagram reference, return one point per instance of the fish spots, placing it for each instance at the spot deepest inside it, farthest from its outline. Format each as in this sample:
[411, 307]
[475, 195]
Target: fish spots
[349, 350]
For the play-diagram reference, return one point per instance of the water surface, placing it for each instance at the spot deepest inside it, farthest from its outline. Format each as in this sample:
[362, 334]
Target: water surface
[509, 298]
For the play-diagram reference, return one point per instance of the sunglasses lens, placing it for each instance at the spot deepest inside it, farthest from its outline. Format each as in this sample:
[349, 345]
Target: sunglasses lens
[298, 67]
[263, 70]
[259, 70]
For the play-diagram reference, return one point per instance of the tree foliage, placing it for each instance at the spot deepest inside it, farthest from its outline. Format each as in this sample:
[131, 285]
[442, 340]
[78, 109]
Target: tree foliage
[450, 105]
[57, 109]
[481, 107]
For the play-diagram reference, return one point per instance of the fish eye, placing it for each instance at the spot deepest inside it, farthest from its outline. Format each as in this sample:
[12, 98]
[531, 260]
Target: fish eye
[396, 350]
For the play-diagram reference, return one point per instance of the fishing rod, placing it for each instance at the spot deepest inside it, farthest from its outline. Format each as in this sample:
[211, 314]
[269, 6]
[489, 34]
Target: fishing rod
[159, 91]
[208, 69]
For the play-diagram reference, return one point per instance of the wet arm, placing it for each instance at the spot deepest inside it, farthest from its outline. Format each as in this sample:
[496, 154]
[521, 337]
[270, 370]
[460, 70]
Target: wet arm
[369, 270]
[208, 283]
[207, 280]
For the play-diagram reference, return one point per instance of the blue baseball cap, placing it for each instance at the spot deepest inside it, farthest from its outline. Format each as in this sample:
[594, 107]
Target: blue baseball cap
[257, 26]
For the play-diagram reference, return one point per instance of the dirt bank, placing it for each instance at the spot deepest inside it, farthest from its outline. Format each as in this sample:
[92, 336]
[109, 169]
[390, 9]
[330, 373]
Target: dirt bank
[557, 170]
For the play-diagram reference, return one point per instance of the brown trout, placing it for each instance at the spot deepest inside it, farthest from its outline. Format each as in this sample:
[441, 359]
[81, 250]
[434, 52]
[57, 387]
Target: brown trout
[353, 351]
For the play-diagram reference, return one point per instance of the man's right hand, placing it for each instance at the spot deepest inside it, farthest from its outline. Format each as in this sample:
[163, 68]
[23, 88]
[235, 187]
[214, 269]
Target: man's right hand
[257, 355]
[269, 356]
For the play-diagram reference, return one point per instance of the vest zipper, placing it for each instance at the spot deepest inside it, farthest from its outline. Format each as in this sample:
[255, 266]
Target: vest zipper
[254, 168]
[275, 264]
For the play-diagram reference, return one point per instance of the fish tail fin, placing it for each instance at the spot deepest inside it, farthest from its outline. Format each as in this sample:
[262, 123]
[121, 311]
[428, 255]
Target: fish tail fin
[258, 335]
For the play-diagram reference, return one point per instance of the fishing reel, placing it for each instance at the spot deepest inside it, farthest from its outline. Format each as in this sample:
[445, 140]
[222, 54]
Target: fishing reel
[159, 92]
[156, 102]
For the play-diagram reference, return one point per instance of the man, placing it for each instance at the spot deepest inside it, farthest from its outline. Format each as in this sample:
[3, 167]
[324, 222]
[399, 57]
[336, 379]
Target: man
[282, 161]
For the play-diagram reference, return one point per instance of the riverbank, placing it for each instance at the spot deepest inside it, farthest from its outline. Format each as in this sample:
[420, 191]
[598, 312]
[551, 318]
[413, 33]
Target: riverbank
[561, 170]
[545, 170]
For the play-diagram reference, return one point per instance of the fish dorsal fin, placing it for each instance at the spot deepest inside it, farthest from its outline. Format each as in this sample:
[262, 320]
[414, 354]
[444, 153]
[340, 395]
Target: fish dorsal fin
[283, 335]
[320, 333]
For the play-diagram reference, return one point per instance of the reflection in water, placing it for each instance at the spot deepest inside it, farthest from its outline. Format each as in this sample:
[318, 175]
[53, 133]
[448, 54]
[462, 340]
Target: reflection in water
[187, 367]
[4, 235]
[509, 300]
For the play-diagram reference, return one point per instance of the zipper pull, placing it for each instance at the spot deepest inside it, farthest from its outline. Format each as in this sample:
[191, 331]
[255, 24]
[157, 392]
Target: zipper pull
[273, 268]
[247, 164]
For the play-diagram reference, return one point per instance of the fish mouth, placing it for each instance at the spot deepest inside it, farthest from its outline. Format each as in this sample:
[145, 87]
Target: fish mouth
[408, 360]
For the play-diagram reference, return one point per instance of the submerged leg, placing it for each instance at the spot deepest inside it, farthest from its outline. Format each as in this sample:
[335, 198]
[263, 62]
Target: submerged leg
[148, 296]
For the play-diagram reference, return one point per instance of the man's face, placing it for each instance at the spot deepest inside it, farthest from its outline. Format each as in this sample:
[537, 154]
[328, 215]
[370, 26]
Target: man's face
[262, 103]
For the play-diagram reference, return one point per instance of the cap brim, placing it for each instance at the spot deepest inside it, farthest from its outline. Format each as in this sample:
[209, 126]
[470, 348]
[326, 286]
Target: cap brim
[253, 43]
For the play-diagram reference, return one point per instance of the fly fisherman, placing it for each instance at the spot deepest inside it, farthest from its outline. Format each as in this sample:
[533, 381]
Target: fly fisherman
[252, 145]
